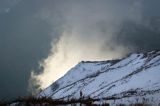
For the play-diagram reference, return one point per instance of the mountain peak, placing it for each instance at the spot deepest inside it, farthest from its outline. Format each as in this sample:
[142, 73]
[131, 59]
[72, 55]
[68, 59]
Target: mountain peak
[135, 76]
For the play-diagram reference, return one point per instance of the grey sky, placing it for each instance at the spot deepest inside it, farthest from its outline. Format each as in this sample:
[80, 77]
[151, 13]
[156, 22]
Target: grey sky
[28, 27]
[24, 40]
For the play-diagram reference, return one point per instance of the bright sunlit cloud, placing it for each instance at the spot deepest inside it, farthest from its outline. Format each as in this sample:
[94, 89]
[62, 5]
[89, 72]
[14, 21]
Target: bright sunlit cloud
[88, 33]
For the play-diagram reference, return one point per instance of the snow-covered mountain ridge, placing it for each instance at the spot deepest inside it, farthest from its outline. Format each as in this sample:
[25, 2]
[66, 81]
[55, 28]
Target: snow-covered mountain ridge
[136, 76]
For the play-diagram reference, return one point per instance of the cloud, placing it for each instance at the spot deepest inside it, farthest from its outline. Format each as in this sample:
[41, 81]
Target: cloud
[88, 32]
[6, 5]
[23, 42]
[60, 33]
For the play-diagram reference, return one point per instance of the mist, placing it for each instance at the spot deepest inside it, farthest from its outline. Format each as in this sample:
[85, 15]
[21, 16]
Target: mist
[88, 33]
[41, 40]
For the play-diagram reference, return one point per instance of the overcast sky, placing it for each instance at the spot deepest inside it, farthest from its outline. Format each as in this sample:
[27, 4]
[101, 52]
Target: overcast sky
[40, 40]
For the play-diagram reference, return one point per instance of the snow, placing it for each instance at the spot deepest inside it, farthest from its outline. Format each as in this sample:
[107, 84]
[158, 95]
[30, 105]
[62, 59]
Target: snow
[137, 72]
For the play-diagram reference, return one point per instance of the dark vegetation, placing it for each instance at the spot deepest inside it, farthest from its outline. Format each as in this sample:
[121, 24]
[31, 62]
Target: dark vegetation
[47, 101]
[54, 86]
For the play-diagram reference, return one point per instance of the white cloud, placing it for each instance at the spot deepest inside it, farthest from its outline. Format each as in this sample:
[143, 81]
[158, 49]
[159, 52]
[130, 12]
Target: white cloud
[87, 34]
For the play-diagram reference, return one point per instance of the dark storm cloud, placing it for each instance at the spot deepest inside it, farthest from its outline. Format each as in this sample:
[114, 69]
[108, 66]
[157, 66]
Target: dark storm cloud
[6, 5]
[24, 40]
[27, 28]
[141, 37]
[145, 35]
[102, 30]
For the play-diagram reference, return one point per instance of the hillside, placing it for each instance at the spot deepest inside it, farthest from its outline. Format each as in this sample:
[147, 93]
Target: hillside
[133, 79]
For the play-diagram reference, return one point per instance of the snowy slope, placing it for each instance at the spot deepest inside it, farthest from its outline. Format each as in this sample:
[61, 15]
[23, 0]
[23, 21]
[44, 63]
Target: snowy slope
[135, 77]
